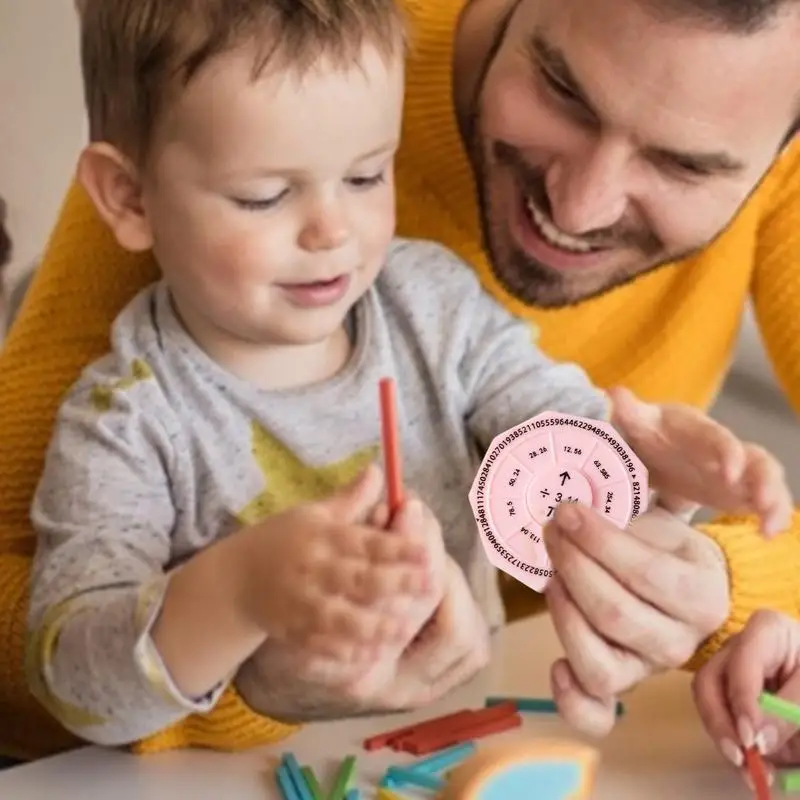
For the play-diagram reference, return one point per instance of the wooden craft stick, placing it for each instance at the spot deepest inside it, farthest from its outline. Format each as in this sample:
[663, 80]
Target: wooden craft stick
[384, 739]
[391, 446]
[423, 746]
[758, 773]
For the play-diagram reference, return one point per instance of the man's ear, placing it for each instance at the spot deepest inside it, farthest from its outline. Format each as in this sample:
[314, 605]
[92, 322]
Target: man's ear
[114, 186]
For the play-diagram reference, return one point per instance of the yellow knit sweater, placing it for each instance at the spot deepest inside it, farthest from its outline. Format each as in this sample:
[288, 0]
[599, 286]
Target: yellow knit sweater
[85, 280]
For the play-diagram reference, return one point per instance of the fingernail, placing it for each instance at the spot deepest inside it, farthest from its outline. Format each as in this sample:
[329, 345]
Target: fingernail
[569, 518]
[732, 752]
[561, 678]
[767, 740]
[745, 731]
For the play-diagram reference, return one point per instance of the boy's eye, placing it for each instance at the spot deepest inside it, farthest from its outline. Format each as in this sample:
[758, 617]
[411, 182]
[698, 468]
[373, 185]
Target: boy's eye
[365, 181]
[259, 204]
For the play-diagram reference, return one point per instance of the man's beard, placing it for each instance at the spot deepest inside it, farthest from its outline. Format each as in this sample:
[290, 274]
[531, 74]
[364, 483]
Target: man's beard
[528, 279]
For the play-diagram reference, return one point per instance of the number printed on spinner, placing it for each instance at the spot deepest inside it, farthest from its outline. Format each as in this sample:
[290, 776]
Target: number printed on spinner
[529, 470]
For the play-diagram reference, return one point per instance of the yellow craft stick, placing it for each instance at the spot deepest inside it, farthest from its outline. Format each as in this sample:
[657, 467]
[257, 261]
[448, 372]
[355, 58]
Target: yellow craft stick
[386, 794]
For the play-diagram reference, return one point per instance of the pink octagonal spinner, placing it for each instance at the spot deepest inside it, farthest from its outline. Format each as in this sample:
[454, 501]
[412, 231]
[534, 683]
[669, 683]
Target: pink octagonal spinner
[549, 459]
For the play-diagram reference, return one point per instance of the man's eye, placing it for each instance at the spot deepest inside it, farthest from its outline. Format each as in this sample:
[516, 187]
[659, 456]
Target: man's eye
[559, 88]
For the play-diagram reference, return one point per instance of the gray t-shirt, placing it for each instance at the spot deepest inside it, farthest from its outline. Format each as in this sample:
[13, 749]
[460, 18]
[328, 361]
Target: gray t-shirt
[158, 452]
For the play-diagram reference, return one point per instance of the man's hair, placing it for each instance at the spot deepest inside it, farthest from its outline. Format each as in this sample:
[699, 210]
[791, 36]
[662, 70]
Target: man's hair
[135, 52]
[734, 16]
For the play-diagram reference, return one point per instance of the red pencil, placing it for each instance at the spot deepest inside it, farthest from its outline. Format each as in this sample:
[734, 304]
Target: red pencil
[391, 446]
[758, 773]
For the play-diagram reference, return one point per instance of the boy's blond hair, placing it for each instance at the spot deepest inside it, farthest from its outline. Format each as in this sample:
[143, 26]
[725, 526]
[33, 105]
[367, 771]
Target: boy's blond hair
[134, 52]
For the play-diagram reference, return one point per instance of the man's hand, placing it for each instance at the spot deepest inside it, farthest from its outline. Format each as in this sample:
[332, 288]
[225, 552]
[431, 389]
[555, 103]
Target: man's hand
[288, 684]
[627, 604]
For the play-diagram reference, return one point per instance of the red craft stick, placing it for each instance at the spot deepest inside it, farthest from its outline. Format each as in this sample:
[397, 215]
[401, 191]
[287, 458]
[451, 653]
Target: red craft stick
[389, 737]
[758, 773]
[455, 721]
[391, 446]
[435, 729]
[423, 746]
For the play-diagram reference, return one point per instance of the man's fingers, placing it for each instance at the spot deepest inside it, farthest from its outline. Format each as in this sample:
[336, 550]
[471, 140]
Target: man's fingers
[641, 584]
[355, 503]
[631, 618]
[586, 714]
[601, 668]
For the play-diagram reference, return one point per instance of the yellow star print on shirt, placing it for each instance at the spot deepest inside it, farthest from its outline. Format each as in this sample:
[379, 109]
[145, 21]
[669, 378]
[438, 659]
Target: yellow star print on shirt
[289, 482]
[102, 396]
[39, 656]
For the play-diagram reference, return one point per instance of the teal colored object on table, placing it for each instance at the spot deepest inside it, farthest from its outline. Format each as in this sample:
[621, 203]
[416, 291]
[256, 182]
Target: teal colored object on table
[544, 781]
[536, 705]
[400, 776]
[444, 758]
[353, 794]
[302, 789]
[286, 784]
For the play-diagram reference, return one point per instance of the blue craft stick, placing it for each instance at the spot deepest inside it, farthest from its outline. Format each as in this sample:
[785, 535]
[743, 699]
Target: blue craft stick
[298, 780]
[353, 794]
[410, 777]
[286, 784]
[536, 705]
[444, 758]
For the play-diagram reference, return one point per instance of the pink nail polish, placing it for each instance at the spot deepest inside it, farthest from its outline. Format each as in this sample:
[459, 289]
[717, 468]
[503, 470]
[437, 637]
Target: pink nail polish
[745, 731]
[732, 752]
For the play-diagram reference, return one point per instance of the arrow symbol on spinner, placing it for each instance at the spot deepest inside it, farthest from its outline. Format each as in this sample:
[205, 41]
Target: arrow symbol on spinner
[564, 477]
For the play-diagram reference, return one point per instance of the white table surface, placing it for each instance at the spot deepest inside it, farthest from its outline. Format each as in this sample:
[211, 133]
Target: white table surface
[657, 752]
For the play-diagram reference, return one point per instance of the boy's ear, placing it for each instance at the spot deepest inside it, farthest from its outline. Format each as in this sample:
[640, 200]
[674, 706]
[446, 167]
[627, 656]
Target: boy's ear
[113, 184]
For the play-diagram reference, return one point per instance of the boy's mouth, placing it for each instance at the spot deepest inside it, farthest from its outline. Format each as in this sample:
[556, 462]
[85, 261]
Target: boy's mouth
[316, 294]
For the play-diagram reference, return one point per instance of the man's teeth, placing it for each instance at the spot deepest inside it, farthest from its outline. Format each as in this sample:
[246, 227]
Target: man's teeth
[553, 235]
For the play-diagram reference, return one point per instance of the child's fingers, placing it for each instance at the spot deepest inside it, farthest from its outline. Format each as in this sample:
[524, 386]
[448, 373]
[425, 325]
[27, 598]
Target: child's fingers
[766, 489]
[367, 584]
[376, 545]
[380, 516]
[680, 445]
[357, 625]
[700, 441]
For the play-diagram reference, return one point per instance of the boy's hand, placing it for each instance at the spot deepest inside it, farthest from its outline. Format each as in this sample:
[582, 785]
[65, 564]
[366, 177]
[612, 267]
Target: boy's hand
[321, 579]
[293, 685]
[694, 461]
[765, 656]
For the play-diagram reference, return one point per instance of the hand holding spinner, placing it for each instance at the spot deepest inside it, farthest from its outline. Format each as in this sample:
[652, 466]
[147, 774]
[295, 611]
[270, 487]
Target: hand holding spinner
[529, 470]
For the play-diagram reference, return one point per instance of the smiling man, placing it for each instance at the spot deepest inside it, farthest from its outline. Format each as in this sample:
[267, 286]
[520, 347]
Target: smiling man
[608, 142]
[619, 172]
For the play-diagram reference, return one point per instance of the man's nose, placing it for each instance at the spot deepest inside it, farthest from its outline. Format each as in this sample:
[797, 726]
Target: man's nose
[588, 194]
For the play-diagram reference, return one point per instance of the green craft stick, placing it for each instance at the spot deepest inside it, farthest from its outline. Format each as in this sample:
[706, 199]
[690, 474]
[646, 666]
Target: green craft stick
[790, 781]
[778, 707]
[312, 783]
[346, 770]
